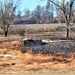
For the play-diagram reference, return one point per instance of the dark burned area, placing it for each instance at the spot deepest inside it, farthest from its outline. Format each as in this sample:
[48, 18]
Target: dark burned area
[31, 43]
[37, 46]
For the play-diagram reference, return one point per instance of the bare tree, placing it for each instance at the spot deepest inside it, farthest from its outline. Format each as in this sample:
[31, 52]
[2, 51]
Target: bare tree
[67, 9]
[19, 15]
[7, 11]
[49, 10]
[27, 13]
[37, 13]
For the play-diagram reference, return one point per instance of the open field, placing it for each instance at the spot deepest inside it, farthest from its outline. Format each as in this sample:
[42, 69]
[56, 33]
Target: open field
[14, 62]
[39, 31]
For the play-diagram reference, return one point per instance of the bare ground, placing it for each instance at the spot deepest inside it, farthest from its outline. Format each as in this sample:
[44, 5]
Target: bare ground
[40, 72]
[30, 64]
[34, 63]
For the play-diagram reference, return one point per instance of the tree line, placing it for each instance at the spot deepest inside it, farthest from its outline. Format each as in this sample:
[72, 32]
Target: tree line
[41, 14]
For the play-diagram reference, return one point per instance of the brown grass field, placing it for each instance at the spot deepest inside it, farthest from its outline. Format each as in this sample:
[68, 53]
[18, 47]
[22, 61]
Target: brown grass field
[39, 31]
[19, 63]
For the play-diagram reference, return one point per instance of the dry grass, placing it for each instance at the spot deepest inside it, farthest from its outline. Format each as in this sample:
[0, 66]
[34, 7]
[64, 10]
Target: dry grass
[27, 63]
[40, 72]
[39, 31]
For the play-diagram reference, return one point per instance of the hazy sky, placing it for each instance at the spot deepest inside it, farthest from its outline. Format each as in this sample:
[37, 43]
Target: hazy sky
[31, 4]
[28, 4]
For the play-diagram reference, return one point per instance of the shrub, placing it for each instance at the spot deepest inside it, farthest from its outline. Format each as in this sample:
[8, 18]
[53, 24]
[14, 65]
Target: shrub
[38, 21]
[20, 32]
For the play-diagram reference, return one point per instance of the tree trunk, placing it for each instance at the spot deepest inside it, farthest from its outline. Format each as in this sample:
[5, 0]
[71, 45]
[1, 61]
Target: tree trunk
[5, 33]
[67, 35]
[67, 32]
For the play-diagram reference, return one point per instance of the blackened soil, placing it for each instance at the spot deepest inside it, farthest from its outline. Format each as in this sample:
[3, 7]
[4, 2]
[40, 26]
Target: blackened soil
[66, 46]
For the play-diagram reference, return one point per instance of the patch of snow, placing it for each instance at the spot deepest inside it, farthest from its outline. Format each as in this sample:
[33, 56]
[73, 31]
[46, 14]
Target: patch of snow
[26, 39]
[5, 55]
[48, 41]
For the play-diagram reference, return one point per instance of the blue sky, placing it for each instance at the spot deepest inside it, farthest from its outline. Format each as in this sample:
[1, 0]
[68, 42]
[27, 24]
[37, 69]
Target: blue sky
[31, 4]
[28, 4]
